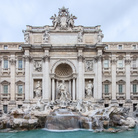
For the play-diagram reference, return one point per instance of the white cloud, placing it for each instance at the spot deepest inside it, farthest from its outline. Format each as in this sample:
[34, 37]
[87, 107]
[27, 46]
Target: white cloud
[118, 19]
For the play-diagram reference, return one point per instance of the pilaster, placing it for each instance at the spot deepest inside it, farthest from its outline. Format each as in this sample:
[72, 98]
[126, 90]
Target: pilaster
[113, 64]
[80, 89]
[12, 68]
[128, 88]
[46, 78]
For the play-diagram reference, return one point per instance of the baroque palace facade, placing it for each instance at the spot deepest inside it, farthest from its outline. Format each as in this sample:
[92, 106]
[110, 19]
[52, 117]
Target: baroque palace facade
[91, 70]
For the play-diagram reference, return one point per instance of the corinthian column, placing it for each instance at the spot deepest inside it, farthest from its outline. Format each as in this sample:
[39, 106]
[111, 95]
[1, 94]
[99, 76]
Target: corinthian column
[46, 78]
[127, 61]
[27, 76]
[99, 78]
[46, 88]
[113, 62]
[12, 69]
[53, 89]
[80, 78]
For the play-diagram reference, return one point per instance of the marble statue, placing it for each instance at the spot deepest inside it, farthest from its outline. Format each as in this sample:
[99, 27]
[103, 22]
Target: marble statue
[62, 90]
[71, 21]
[26, 36]
[38, 90]
[89, 92]
[80, 36]
[46, 36]
[100, 36]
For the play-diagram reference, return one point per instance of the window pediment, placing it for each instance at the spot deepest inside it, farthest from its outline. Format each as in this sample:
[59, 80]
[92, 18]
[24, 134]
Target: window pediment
[5, 82]
[20, 82]
[121, 82]
[106, 82]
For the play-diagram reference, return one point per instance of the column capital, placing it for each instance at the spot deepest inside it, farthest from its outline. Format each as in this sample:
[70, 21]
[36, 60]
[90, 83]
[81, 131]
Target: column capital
[127, 61]
[46, 58]
[12, 61]
[97, 58]
[74, 76]
[52, 75]
[80, 58]
[27, 58]
[113, 61]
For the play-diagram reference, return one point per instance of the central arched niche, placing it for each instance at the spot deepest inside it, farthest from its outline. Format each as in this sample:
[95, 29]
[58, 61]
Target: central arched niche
[63, 70]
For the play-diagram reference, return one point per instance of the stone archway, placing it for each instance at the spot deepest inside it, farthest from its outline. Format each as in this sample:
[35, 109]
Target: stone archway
[63, 70]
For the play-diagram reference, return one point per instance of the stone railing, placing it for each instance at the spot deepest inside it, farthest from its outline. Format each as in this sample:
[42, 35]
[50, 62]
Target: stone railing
[5, 71]
[134, 70]
[107, 70]
[5, 96]
[20, 96]
[20, 71]
[134, 95]
[107, 96]
[120, 96]
[120, 70]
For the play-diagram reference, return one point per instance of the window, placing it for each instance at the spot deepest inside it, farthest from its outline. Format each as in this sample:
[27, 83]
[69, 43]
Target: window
[5, 89]
[106, 88]
[19, 47]
[20, 89]
[5, 47]
[134, 63]
[120, 63]
[106, 105]
[134, 88]
[120, 47]
[106, 63]
[120, 88]
[20, 64]
[5, 64]
[5, 108]
[134, 107]
[106, 47]
[120, 105]
[19, 106]
[134, 46]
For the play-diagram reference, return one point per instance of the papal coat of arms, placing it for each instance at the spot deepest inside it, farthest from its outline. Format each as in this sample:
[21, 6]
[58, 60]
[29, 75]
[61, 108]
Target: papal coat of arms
[64, 20]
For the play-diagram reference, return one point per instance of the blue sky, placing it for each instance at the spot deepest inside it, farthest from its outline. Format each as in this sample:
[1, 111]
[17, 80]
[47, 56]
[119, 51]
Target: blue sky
[118, 18]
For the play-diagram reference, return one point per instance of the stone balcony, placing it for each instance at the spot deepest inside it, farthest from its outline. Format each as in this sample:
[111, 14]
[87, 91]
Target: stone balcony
[20, 71]
[107, 96]
[20, 96]
[134, 70]
[120, 96]
[134, 96]
[106, 70]
[5, 71]
[120, 70]
[5, 96]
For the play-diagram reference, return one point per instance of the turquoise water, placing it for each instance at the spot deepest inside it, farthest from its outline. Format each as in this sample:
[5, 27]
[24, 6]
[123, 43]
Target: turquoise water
[71, 134]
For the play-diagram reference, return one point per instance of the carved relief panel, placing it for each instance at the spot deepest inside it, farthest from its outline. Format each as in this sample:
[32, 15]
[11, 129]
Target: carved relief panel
[88, 65]
[38, 65]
